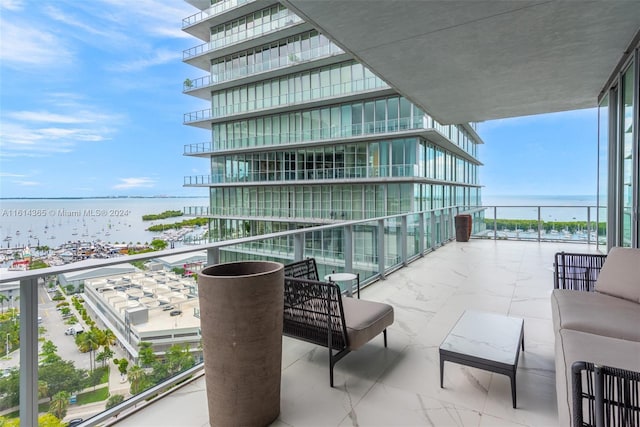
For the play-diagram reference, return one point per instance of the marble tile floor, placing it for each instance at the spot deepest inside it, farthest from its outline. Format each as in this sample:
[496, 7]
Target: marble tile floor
[399, 385]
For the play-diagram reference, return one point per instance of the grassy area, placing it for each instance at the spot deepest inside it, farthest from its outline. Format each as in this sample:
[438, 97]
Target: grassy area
[98, 395]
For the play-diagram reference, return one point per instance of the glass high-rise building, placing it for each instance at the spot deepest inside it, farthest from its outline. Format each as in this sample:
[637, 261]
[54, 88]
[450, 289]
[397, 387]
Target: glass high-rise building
[299, 133]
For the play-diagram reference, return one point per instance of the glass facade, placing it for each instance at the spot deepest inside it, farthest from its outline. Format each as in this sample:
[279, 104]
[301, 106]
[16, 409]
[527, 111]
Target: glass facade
[335, 80]
[314, 144]
[619, 158]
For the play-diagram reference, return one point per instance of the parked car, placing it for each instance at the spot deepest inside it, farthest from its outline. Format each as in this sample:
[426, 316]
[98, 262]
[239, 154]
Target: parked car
[74, 330]
[175, 313]
[168, 308]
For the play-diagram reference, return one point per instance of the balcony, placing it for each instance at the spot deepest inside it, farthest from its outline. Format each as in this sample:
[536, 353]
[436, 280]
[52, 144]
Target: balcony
[400, 385]
[405, 127]
[428, 292]
[199, 24]
[200, 56]
[311, 98]
[304, 60]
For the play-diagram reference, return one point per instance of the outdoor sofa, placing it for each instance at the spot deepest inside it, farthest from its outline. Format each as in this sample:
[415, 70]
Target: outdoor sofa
[596, 320]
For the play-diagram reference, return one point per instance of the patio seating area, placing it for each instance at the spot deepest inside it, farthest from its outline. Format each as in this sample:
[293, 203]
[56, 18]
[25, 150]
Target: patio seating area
[399, 385]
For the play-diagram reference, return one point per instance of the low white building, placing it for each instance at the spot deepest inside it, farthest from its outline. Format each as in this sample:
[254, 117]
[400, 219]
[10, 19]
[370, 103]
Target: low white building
[158, 307]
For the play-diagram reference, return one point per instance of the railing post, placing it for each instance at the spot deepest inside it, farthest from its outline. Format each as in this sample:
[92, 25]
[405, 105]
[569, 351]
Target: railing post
[539, 224]
[213, 256]
[298, 247]
[29, 352]
[495, 223]
[402, 241]
[348, 248]
[452, 223]
[433, 230]
[589, 226]
[421, 233]
[381, 249]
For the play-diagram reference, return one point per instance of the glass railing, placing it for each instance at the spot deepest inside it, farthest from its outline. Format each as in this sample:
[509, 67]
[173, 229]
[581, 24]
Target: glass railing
[283, 138]
[214, 10]
[576, 224]
[257, 31]
[295, 98]
[353, 87]
[273, 64]
[56, 312]
[327, 173]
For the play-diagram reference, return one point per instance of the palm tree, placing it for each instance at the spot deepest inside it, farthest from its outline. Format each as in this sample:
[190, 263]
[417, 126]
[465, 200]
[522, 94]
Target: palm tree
[109, 337]
[59, 404]
[90, 341]
[138, 379]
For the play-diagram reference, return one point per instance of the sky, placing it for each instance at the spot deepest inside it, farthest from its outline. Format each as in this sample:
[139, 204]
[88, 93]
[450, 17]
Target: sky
[91, 104]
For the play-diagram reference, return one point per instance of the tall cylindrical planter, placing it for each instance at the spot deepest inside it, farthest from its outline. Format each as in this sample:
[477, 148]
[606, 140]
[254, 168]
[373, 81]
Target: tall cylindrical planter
[241, 309]
[464, 224]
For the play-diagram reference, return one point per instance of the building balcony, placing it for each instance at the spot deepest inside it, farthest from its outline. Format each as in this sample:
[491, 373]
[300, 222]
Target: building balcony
[424, 127]
[200, 56]
[199, 24]
[311, 98]
[318, 57]
[294, 177]
[399, 385]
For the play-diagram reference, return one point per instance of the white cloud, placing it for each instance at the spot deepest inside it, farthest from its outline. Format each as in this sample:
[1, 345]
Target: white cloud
[127, 183]
[28, 183]
[158, 57]
[60, 129]
[25, 44]
[14, 5]
[46, 117]
[160, 19]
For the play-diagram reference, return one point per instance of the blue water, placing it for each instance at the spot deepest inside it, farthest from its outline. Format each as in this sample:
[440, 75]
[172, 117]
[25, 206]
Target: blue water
[52, 222]
[554, 208]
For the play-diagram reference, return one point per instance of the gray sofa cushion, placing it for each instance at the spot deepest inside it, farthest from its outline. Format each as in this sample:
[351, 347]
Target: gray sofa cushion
[595, 313]
[620, 274]
[572, 346]
[365, 319]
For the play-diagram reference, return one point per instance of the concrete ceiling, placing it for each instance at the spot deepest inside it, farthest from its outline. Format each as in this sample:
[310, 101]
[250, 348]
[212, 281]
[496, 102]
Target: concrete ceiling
[479, 60]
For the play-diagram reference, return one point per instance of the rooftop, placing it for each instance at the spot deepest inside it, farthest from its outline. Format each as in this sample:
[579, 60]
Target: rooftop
[400, 385]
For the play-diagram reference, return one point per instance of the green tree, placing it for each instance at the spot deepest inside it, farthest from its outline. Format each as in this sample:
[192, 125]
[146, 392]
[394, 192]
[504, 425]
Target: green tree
[10, 390]
[88, 342]
[158, 244]
[59, 404]
[3, 298]
[138, 379]
[49, 353]
[45, 420]
[104, 356]
[179, 358]
[61, 376]
[122, 365]
[50, 420]
[146, 358]
[114, 400]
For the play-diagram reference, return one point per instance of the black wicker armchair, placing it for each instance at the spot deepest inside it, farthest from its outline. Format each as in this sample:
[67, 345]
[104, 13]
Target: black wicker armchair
[315, 312]
[605, 396]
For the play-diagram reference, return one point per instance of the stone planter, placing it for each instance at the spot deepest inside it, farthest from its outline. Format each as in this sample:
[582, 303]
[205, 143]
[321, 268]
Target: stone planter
[241, 309]
[464, 224]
